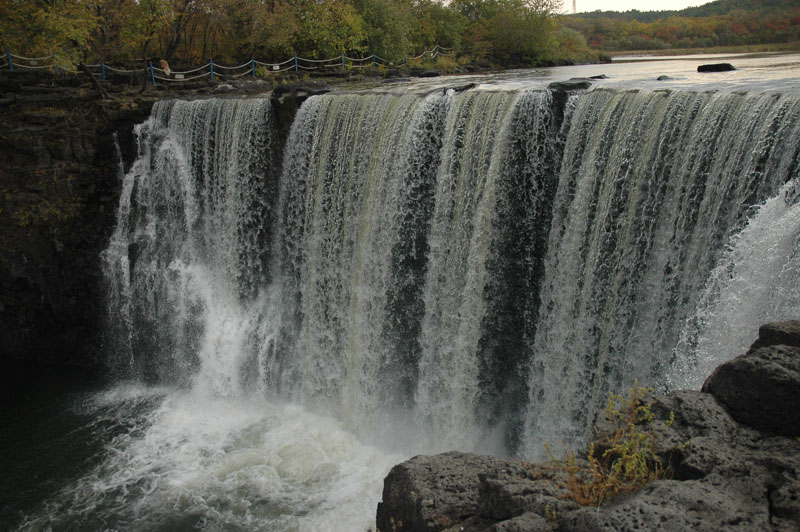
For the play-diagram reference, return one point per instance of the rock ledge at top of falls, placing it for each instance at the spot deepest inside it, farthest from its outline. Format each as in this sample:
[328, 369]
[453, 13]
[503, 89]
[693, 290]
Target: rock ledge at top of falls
[573, 84]
[733, 446]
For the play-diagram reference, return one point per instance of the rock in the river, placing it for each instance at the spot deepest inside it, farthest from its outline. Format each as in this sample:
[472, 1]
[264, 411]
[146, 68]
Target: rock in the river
[716, 67]
[573, 84]
[736, 467]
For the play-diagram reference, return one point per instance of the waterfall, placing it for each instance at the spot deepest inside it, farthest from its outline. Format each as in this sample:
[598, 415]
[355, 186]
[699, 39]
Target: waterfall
[188, 257]
[472, 270]
[756, 281]
[652, 187]
[357, 188]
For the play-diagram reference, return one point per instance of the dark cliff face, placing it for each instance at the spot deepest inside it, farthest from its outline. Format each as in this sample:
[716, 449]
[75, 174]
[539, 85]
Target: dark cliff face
[61, 148]
[59, 187]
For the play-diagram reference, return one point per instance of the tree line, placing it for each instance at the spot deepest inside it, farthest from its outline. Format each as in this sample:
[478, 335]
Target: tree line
[496, 32]
[720, 23]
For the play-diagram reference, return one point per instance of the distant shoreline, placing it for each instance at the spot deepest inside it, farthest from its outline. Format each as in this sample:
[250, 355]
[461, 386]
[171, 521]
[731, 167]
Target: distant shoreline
[739, 49]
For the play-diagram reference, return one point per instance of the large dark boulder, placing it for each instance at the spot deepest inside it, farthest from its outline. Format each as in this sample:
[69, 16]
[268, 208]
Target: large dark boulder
[436, 492]
[727, 474]
[778, 333]
[716, 67]
[761, 389]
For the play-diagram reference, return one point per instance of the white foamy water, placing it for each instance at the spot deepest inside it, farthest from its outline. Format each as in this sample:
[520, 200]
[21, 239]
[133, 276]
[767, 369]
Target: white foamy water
[756, 282]
[191, 461]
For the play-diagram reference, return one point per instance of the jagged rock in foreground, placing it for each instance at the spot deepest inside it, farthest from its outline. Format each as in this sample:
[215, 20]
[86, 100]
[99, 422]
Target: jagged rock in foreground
[736, 465]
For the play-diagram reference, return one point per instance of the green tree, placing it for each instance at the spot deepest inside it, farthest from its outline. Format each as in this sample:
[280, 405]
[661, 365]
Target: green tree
[436, 24]
[509, 31]
[276, 28]
[142, 25]
[328, 29]
[107, 38]
[387, 27]
[521, 35]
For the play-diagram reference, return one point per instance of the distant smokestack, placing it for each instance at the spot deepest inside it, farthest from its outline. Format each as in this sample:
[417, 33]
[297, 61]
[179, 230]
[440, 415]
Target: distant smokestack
[574, 7]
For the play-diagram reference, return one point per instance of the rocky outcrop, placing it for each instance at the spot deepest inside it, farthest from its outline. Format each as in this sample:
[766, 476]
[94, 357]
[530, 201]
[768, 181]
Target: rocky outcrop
[716, 67]
[62, 146]
[761, 389]
[736, 466]
[574, 84]
[58, 194]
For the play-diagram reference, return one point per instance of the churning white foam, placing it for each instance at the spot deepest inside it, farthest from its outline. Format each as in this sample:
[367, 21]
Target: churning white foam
[758, 281]
[187, 461]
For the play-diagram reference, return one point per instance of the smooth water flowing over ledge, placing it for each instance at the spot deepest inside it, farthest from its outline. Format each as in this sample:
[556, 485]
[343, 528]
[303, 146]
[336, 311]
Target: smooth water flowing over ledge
[773, 73]
[433, 270]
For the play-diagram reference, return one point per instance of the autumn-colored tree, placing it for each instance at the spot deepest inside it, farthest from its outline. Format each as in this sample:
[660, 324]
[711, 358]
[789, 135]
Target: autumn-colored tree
[732, 22]
[191, 31]
[106, 39]
[61, 28]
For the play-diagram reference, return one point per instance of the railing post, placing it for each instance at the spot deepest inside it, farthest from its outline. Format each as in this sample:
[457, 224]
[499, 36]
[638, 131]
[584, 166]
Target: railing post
[343, 61]
[103, 69]
[253, 65]
[211, 62]
[152, 74]
[295, 62]
[373, 60]
[10, 62]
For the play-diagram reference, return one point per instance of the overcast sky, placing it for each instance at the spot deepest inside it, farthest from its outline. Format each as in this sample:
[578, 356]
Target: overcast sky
[626, 5]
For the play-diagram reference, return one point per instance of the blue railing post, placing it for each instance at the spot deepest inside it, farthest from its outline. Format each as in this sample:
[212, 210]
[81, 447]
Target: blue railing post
[152, 74]
[211, 62]
[103, 69]
[10, 62]
[295, 62]
[253, 65]
[342, 61]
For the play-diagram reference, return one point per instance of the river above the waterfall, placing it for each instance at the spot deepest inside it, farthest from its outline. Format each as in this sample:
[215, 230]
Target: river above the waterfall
[761, 72]
[218, 418]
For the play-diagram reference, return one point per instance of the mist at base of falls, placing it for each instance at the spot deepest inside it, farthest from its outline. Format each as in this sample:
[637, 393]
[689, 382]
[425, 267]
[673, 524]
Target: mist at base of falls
[426, 272]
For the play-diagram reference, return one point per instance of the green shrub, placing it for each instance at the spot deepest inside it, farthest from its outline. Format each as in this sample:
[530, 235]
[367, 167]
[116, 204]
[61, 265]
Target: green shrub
[623, 460]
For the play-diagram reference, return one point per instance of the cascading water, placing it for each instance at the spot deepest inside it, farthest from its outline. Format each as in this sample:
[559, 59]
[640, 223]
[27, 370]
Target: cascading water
[470, 270]
[652, 186]
[757, 280]
[189, 254]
